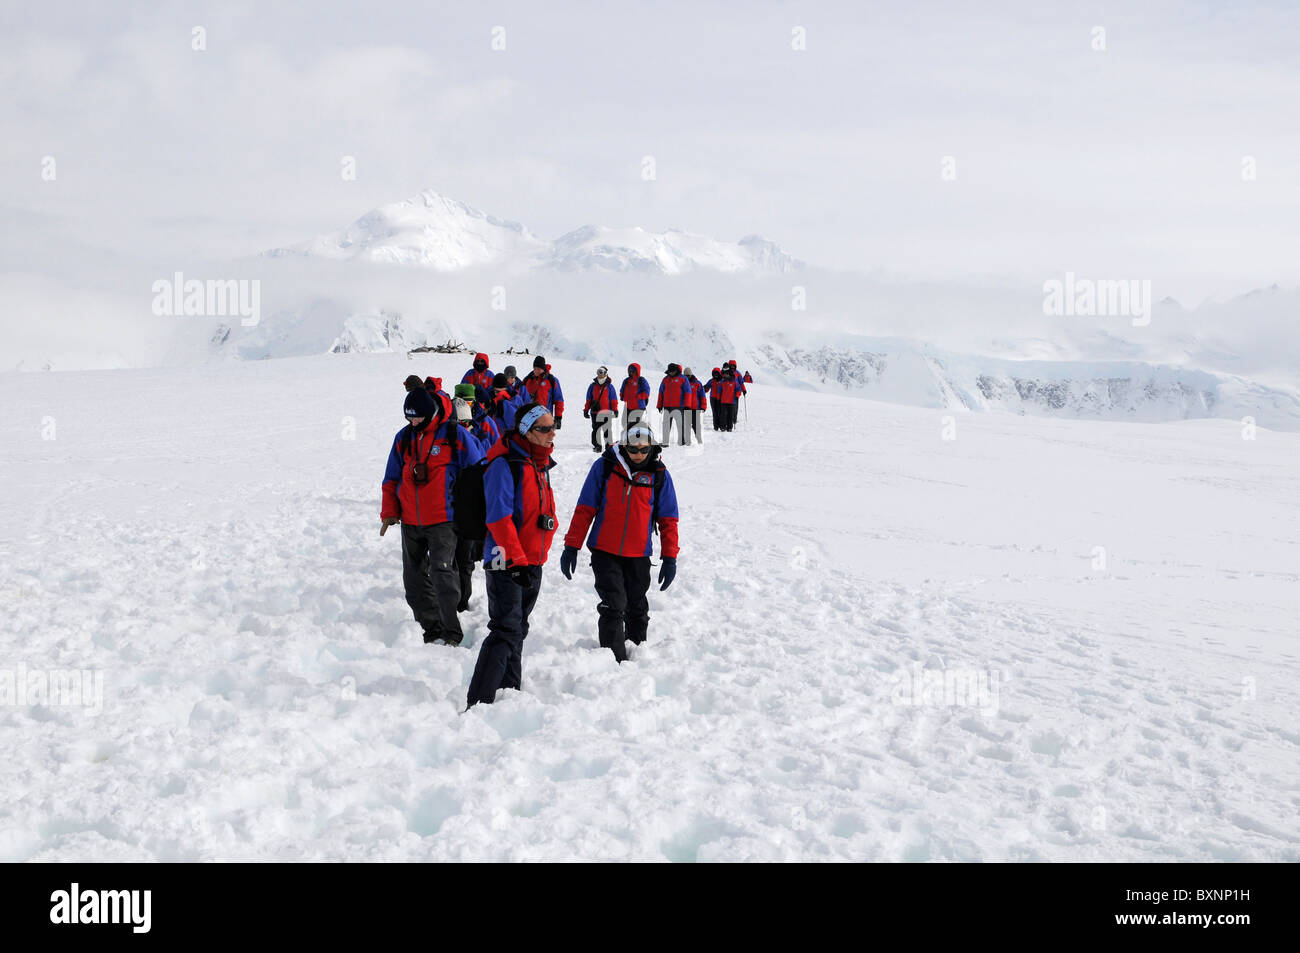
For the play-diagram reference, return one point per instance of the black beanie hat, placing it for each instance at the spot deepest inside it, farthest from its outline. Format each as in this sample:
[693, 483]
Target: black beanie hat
[419, 403]
[500, 381]
[539, 361]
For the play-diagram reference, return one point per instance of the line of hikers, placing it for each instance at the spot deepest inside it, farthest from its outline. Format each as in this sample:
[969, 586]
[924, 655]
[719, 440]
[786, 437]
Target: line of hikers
[683, 399]
[468, 479]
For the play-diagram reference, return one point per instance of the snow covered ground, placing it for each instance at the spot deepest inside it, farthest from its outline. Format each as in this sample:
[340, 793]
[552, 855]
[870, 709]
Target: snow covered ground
[881, 645]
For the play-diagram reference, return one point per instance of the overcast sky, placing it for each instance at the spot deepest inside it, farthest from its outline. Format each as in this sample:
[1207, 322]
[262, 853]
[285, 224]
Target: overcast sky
[1119, 163]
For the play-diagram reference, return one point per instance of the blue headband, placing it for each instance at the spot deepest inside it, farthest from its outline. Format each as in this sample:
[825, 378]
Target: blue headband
[530, 418]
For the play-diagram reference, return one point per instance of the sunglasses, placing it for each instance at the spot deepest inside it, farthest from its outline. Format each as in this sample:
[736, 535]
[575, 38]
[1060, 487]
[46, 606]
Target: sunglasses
[538, 428]
[637, 450]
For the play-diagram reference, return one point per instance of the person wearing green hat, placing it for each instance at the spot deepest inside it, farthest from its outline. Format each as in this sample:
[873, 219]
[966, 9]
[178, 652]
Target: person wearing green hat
[472, 416]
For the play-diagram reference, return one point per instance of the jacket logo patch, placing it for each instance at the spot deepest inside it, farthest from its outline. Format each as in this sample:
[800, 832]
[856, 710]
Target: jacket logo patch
[436, 450]
[643, 479]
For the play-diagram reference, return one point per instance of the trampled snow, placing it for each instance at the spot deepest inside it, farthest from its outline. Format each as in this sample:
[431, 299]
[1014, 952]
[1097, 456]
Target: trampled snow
[1042, 639]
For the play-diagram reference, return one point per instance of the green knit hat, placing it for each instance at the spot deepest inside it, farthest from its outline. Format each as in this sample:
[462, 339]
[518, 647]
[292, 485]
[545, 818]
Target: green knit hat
[464, 391]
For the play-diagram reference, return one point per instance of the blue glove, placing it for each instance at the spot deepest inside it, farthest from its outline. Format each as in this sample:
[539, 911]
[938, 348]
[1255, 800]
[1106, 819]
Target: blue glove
[667, 571]
[568, 561]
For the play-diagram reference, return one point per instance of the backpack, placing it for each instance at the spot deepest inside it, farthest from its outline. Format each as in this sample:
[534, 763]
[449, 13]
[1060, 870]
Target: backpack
[469, 501]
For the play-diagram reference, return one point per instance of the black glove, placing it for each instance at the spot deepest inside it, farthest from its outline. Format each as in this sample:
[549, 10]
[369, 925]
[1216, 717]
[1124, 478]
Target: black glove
[585, 415]
[568, 561]
[667, 571]
[520, 576]
[558, 421]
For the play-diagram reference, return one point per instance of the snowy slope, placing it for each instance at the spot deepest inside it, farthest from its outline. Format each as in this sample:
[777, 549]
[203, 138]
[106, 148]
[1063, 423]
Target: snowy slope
[882, 645]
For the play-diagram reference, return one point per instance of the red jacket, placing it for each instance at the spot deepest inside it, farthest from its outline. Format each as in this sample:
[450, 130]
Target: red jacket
[515, 503]
[622, 509]
[636, 390]
[482, 378]
[674, 391]
[545, 390]
[722, 390]
[445, 450]
[701, 398]
[601, 397]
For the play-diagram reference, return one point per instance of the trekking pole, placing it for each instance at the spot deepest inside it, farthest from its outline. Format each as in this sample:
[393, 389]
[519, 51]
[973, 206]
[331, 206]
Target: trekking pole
[746, 396]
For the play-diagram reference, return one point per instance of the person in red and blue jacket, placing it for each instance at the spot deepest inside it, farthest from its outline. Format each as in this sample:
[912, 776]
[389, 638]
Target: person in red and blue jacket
[635, 394]
[521, 522]
[711, 389]
[501, 405]
[473, 416]
[542, 387]
[725, 391]
[602, 408]
[476, 422]
[480, 375]
[674, 397]
[427, 455]
[513, 383]
[699, 402]
[627, 497]
[740, 381]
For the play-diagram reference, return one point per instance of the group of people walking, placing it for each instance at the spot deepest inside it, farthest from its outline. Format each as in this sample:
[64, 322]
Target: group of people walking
[682, 400]
[468, 479]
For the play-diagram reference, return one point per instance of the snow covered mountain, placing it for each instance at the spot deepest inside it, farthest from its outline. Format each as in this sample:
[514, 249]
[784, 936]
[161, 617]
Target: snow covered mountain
[433, 231]
[673, 252]
[908, 373]
[428, 230]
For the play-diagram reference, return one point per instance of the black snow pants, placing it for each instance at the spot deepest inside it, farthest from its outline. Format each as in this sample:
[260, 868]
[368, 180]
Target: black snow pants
[621, 583]
[469, 552]
[500, 659]
[429, 576]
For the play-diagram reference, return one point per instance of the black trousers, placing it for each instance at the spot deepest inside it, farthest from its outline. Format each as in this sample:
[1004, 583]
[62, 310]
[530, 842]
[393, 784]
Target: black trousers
[500, 660]
[621, 583]
[429, 576]
[602, 430]
[468, 554]
[717, 406]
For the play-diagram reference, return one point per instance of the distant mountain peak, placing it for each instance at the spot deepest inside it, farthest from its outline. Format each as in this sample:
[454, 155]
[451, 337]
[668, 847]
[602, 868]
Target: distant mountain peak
[432, 230]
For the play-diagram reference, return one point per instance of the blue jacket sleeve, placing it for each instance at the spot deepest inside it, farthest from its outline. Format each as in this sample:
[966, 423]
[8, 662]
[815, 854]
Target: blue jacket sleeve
[393, 472]
[666, 505]
[591, 487]
[499, 490]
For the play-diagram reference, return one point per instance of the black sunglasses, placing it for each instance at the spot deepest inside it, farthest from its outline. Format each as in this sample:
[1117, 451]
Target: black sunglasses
[637, 450]
[538, 428]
